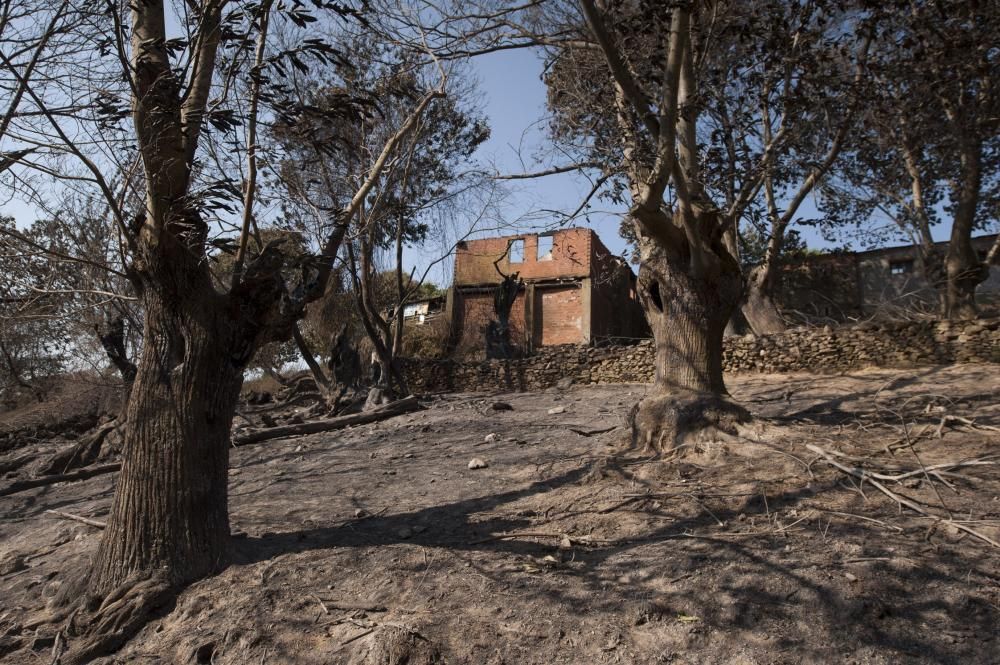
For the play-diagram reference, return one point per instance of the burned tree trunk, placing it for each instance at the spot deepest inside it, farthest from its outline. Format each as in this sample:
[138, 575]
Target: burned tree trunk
[688, 312]
[963, 269]
[759, 302]
[498, 341]
[176, 436]
[112, 338]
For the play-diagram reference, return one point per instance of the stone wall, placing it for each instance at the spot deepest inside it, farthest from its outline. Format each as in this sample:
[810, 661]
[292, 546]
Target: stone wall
[820, 350]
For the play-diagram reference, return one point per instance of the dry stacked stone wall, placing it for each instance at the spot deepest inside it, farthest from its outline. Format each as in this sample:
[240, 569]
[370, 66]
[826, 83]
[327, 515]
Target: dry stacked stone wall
[819, 350]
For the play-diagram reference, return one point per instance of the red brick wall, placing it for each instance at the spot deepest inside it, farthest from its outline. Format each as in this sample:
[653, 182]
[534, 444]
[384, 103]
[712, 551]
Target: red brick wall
[473, 311]
[571, 257]
[559, 315]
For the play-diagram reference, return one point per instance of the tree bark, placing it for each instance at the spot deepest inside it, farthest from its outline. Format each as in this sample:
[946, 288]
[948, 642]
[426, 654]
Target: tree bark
[688, 311]
[170, 512]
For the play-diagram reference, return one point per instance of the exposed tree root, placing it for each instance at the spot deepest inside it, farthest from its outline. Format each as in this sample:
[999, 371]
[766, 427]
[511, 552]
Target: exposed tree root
[100, 627]
[663, 422]
[397, 645]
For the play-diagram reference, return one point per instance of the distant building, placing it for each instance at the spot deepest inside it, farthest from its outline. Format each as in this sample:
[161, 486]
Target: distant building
[421, 312]
[852, 285]
[575, 291]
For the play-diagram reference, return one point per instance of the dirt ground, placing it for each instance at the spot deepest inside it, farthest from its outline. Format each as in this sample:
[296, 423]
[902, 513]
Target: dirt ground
[567, 548]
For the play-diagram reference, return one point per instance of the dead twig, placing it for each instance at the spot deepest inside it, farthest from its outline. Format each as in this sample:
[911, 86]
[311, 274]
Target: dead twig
[349, 606]
[948, 419]
[583, 540]
[593, 432]
[861, 517]
[78, 518]
[902, 500]
[357, 637]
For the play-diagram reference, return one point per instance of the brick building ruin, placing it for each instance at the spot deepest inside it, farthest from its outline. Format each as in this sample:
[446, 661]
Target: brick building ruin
[575, 291]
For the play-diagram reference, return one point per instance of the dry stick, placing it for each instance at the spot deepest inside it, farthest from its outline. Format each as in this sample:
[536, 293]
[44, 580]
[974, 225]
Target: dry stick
[898, 498]
[326, 610]
[357, 637]
[987, 460]
[82, 474]
[349, 606]
[926, 474]
[621, 504]
[965, 421]
[861, 517]
[592, 432]
[78, 518]
[585, 540]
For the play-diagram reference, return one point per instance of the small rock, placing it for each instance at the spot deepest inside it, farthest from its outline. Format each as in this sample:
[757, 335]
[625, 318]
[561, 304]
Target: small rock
[501, 406]
[404, 533]
[564, 383]
[557, 410]
[11, 563]
[360, 512]
[851, 577]
[476, 463]
[491, 438]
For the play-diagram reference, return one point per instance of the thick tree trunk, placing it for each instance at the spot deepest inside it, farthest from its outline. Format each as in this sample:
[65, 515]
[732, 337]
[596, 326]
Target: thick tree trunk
[170, 512]
[964, 272]
[759, 306]
[963, 269]
[688, 315]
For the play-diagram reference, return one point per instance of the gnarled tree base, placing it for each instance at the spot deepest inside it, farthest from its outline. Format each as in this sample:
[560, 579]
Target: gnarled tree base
[100, 627]
[663, 422]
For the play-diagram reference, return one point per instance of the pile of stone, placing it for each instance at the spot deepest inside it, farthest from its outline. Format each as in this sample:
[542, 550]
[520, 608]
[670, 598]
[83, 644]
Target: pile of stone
[819, 350]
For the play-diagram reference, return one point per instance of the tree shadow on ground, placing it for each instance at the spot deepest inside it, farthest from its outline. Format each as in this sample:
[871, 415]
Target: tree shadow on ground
[885, 614]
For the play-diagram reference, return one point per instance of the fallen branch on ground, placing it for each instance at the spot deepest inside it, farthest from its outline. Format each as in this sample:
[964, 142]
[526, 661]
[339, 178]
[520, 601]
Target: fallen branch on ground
[902, 500]
[592, 432]
[399, 407]
[947, 420]
[934, 469]
[78, 518]
[349, 606]
[82, 474]
[583, 540]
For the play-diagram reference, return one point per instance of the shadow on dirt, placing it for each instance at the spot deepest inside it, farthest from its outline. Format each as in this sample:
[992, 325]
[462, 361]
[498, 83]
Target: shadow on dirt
[725, 573]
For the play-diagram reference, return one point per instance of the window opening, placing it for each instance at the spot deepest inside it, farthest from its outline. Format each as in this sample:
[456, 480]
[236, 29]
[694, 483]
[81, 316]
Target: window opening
[516, 250]
[900, 267]
[544, 248]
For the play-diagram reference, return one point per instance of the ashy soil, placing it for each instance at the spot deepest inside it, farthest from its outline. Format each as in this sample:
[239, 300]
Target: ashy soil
[379, 544]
